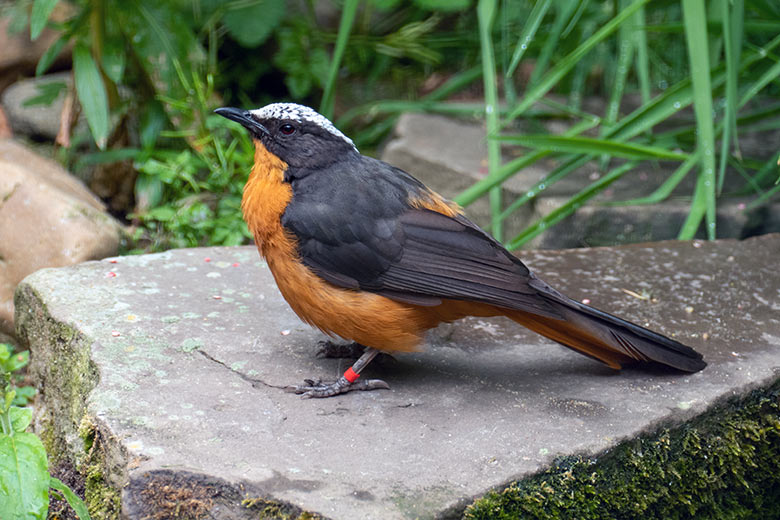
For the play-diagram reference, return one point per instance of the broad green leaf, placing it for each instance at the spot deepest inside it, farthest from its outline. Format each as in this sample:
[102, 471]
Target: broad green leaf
[24, 395]
[590, 145]
[24, 477]
[252, 22]
[41, 10]
[92, 93]
[15, 361]
[20, 418]
[72, 498]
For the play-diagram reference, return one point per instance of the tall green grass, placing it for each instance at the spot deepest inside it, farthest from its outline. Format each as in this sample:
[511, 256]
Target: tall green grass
[716, 60]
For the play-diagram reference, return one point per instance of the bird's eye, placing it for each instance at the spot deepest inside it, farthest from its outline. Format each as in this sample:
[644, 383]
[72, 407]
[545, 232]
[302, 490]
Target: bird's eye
[287, 129]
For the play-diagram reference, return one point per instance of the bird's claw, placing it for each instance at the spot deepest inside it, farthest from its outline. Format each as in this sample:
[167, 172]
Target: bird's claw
[311, 388]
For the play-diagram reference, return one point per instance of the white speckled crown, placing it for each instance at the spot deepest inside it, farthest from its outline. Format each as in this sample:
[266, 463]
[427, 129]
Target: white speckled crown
[299, 113]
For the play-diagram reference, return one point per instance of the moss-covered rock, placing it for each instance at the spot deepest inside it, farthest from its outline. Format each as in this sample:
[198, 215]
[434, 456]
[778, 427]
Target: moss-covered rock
[721, 465]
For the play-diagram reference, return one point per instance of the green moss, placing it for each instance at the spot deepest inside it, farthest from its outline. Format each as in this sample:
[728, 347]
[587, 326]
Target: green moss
[103, 500]
[62, 366]
[721, 465]
[272, 510]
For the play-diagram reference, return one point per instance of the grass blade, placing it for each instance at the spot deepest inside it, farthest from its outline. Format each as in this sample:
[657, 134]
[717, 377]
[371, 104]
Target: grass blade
[486, 10]
[642, 61]
[566, 64]
[570, 206]
[589, 145]
[41, 10]
[569, 165]
[345, 28]
[665, 189]
[732, 37]
[564, 9]
[481, 187]
[625, 46]
[528, 33]
[695, 20]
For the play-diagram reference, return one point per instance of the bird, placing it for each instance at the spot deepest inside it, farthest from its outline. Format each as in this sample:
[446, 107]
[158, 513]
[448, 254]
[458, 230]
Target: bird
[364, 251]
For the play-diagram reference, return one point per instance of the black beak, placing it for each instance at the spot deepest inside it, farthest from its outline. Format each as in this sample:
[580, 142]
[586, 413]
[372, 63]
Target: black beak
[244, 117]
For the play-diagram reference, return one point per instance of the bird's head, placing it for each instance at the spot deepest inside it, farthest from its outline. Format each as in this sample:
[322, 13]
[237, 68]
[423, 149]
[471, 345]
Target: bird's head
[297, 134]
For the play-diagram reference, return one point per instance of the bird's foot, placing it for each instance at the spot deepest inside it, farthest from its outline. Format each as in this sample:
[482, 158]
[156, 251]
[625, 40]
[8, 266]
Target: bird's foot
[341, 386]
[329, 349]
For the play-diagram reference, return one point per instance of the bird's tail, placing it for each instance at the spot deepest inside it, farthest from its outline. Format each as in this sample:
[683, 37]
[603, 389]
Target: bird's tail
[607, 338]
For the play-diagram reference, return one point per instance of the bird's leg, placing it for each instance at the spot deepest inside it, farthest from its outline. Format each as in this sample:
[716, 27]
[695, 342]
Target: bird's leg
[346, 383]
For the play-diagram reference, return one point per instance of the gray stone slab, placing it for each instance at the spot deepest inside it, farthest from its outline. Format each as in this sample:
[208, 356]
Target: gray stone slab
[177, 360]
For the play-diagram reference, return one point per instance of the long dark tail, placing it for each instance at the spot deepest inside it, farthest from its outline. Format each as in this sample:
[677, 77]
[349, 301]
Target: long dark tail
[605, 337]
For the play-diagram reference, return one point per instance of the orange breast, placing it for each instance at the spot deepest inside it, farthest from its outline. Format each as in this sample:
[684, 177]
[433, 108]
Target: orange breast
[367, 318]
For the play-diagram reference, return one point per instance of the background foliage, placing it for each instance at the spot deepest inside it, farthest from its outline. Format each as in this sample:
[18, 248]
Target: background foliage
[698, 74]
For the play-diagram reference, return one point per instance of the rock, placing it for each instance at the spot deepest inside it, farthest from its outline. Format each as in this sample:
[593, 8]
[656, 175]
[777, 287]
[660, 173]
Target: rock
[42, 121]
[162, 376]
[47, 219]
[594, 225]
[20, 55]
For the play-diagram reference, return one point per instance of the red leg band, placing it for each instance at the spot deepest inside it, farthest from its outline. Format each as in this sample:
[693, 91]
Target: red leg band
[350, 375]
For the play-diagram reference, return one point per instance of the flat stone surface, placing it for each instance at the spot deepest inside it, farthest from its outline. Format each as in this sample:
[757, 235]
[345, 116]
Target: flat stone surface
[191, 349]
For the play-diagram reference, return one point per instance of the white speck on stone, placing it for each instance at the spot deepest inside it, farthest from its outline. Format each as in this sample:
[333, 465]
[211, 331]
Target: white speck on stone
[299, 113]
[488, 327]
[214, 274]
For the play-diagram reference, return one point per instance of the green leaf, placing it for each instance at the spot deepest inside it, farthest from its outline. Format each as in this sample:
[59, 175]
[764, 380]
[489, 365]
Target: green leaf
[24, 395]
[114, 59]
[250, 25]
[48, 92]
[50, 55]
[153, 121]
[92, 93]
[16, 361]
[41, 10]
[148, 191]
[24, 477]
[162, 213]
[590, 145]
[20, 418]
[73, 499]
